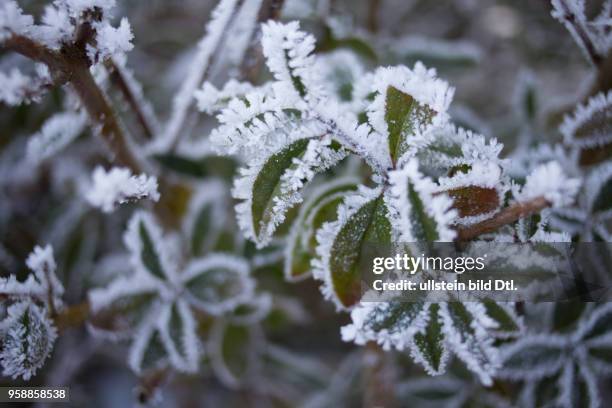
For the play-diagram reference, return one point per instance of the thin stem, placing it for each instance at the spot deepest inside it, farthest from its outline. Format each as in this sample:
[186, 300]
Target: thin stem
[184, 101]
[504, 217]
[118, 79]
[71, 65]
[580, 30]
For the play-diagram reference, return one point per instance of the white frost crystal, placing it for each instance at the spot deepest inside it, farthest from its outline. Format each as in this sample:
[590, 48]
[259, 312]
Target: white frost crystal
[549, 181]
[27, 340]
[118, 186]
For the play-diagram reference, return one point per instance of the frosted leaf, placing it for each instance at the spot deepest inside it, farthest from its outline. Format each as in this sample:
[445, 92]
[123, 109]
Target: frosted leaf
[428, 347]
[549, 181]
[177, 330]
[390, 324]
[419, 213]
[449, 147]
[597, 187]
[119, 186]
[342, 75]
[57, 132]
[589, 125]
[597, 324]
[124, 287]
[466, 328]
[419, 83]
[111, 41]
[408, 104]
[289, 57]
[147, 245]
[233, 352]
[533, 357]
[361, 217]
[319, 207]
[221, 17]
[258, 123]
[13, 21]
[270, 188]
[477, 192]
[147, 349]
[27, 340]
[252, 311]
[218, 283]
[210, 99]
[359, 139]
[206, 216]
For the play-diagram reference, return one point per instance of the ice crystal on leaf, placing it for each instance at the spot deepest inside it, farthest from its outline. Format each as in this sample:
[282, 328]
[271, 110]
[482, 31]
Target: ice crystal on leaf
[570, 360]
[27, 340]
[589, 125]
[56, 133]
[118, 186]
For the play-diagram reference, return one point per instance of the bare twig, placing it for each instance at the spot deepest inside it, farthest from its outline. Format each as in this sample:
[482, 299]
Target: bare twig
[506, 216]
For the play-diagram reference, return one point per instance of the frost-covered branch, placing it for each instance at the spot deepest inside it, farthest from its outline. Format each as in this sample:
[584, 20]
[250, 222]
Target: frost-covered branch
[506, 216]
[222, 17]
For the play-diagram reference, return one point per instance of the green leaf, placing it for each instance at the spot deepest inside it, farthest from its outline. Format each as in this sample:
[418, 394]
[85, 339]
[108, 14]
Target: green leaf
[394, 317]
[430, 344]
[123, 314]
[320, 208]
[154, 354]
[149, 256]
[233, 352]
[507, 322]
[267, 184]
[403, 115]
[534, 357]
[369, 224]
[217, 283]
[603, 200]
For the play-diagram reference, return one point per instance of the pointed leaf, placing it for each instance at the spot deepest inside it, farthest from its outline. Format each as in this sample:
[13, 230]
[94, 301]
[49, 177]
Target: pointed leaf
[341, 244]
[403, 115]
[429, 344]
[233, 352]
[321, 207]
[218, 283]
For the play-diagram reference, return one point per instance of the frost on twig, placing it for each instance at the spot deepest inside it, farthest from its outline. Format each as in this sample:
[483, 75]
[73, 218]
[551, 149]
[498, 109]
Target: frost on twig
[119, 186]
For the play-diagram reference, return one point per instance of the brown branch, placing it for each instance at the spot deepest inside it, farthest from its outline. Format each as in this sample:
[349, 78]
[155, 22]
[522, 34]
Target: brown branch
[253, 57]
[504, 217]
[117, 78]
[71, 65]
[570, 17]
